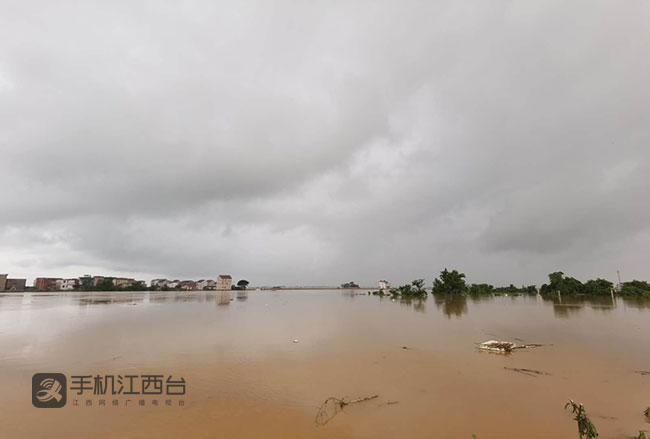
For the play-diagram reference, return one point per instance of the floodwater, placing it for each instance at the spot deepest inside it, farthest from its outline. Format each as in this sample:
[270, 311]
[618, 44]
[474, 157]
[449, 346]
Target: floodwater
[245, 377]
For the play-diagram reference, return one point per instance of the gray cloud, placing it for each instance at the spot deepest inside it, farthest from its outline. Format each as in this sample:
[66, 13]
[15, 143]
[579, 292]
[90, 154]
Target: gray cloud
[316, 143]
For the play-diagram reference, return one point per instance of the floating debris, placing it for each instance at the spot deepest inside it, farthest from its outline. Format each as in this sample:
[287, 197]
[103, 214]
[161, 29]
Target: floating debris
[296, 341]
[642, 372]
[531, 372]
[333, 406]
[531, 345]
[503, 347]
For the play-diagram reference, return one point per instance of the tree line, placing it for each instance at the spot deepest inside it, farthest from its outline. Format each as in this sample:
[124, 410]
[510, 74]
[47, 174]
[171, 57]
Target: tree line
[453, 283]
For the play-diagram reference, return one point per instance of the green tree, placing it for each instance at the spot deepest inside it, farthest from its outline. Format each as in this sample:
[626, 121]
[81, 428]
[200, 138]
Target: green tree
[137, 286]
[449, 282]
[418, 284]
[530, 289]
[414, 289]
[510, 289]
[106, 285]
[567, 286]
[598, 287]
[480, 289]
[636, 288]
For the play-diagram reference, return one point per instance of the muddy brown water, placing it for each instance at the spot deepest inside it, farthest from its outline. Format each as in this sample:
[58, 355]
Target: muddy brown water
[246, 378]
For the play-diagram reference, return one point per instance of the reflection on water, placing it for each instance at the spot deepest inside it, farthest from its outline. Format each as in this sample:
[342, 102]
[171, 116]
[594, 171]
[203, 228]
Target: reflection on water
[566, 306]
[223, 298]
[273, 357]
[452, 306]
[416, 304]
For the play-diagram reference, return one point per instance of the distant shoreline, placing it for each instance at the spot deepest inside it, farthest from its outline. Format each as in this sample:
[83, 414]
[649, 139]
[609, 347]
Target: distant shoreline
[310, 288]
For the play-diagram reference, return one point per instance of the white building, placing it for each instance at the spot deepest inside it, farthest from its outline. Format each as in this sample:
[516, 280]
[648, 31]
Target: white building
[67, 284]
[224, 282]
[384, 285]
[159, 283]
[206, 284]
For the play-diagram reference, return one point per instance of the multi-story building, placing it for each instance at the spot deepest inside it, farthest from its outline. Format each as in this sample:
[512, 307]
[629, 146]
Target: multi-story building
[224, 282]
[67, 284]
[206, 284]
[159, 283]
[123, 282]
[16, 284]
[3, 282]
[188, 285]
[384, 285]
[46, 283]
[97, 280]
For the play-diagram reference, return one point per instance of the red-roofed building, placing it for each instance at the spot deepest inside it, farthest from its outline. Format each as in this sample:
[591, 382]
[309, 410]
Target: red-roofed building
[224, 282]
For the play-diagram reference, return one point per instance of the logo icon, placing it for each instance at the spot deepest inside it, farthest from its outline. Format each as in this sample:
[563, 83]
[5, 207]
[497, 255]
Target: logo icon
[49, 390]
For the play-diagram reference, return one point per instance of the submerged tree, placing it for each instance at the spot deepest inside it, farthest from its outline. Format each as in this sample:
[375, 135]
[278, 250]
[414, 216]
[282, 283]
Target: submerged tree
[414, 289]
[598, 287]
[566, 286]
[636, 288]
[418, 286]
[480, 289]
[449, 282]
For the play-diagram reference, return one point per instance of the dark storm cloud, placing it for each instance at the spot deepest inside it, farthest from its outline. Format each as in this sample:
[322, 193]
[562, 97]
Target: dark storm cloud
[315, 143]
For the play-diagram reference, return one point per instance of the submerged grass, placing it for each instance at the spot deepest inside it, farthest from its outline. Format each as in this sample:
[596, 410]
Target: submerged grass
[587, 430]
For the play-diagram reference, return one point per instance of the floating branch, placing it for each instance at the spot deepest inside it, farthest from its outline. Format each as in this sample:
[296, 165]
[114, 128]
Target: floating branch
[531, 345]
[333, 406]
[531, 372]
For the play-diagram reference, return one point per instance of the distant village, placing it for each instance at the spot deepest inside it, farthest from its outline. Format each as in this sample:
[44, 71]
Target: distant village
[109, 283]
[224, 282]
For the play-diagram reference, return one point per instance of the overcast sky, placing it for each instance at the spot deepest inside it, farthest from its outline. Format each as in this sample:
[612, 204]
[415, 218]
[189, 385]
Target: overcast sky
[322, 142]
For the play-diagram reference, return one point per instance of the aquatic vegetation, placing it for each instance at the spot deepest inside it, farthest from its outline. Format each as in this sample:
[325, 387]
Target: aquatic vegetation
[414, 289]
[586, 428]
